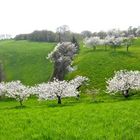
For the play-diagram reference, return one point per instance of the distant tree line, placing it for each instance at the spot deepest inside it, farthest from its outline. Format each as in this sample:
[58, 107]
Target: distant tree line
[42, 36]
[5, 36]
[135, 31]
[48, 36]
[63, 34]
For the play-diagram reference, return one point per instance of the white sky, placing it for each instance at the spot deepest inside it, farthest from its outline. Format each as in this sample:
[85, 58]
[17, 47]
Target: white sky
[25, 16]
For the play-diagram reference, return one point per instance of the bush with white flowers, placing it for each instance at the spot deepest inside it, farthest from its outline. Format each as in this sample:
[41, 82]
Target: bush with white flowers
[124, 81]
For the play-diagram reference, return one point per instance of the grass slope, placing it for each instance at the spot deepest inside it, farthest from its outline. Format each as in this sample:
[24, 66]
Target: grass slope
[99, 65]
[26, 61]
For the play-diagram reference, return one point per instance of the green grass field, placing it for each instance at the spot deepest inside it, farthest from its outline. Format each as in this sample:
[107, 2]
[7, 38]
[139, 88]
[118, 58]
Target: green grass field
[74, 120]
[102, 118]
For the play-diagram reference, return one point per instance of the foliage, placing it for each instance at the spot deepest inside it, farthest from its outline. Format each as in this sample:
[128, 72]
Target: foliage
[26, 61]
[86, 33]
[99, 65]
[1, 73]
[138, 31]
[2, 89]
[92, 42]
[124, 81]
[62, 57]
[114, 40]
[51, 90]
[41, 36]
[16, 90]
[56, 89]
[78, 81]
[62, 34]
[59, 89]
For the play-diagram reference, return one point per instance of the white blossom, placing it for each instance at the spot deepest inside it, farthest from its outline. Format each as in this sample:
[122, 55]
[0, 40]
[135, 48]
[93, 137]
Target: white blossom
[62, 57]
[59, 89]
[92, 41]
[2, 88]
[78, 81]
[48, 91]
[124, 81]
[17, 90]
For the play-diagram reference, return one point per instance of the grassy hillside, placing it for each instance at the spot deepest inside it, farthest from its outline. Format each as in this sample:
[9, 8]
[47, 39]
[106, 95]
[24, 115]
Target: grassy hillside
[101, 118]
[100, 64]
[26, 61]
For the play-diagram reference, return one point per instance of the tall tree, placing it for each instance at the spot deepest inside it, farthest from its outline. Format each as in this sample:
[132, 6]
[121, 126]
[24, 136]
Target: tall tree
[62, 56]
[1, 73]
[86, 33]
[61, 30]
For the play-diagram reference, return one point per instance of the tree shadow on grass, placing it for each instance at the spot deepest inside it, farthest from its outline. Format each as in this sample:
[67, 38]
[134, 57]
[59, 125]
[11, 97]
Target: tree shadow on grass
[58, 105]
[5, 99]
[65, 104]
[122, 53]
[96, 51]
[96, 101]
[116, 98]
[20, 107]
[14, 107]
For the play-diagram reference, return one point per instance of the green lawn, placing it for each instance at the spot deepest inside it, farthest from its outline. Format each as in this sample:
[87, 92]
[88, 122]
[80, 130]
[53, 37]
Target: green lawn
[73, 120]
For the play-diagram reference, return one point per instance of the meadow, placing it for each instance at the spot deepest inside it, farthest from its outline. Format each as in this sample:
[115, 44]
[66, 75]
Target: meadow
[103, 117]
[70, 121]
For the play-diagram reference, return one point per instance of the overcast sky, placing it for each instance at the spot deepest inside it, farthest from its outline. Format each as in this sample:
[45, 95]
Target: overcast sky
[25, 16]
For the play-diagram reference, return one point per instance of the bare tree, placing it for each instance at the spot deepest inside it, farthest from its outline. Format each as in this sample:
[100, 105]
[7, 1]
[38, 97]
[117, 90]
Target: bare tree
[62, 32]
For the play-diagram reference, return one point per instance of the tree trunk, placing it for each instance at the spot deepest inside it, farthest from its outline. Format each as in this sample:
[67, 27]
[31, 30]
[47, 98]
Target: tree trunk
[125, 93]
[58, 72]
[114, 48]
[21, 102]
[105, 48]
[78, 88]
[78, 96]
[59, 99]
[59, 37]
[94, 48]
[1, 73]
[127, 48]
